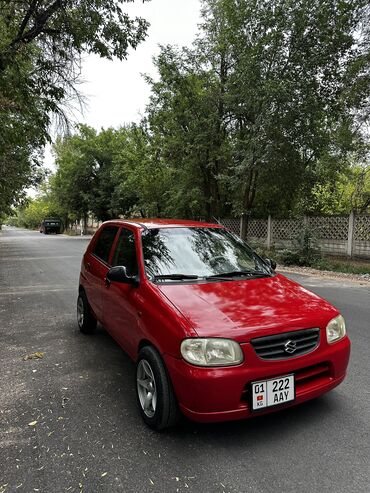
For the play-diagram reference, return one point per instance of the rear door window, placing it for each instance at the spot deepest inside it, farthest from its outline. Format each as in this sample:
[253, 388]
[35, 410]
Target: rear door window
[125, 253]
[105, 241]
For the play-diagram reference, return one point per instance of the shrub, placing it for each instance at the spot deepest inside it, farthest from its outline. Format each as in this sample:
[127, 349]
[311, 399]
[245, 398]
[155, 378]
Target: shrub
[262, 250]
[305, 251]
[288, 257]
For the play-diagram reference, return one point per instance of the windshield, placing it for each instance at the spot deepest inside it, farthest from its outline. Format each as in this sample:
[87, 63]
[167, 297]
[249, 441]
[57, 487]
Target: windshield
[198, 252]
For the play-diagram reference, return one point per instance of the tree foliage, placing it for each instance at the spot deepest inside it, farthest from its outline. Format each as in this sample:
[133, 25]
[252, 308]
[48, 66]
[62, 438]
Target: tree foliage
[295, 78]
[185, 121]
[270, 105]
[107, 174]
[266, 113]
[32, 212]
[41, 42]
[350, 191]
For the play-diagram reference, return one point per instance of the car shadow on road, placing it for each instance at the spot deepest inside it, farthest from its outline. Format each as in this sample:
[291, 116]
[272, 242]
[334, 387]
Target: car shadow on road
[279, 423]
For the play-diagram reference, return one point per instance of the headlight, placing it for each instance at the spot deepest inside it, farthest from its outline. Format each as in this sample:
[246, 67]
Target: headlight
[211, 352]
[336, 329]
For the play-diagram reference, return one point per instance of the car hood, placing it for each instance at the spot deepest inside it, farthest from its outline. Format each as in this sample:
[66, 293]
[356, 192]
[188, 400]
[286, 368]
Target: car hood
[243, 309]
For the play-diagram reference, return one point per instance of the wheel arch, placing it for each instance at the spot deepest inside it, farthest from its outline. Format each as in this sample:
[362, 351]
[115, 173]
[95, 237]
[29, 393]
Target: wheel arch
[146, 342]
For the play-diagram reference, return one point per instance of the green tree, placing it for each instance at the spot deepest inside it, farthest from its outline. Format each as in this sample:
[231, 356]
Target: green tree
[140, 179]
[298, 75]
[106, 173]
[33, 211]
[187, 129]
[82, 183]
[349, 191]
[269, 104]
[41, 44]
[266, 112]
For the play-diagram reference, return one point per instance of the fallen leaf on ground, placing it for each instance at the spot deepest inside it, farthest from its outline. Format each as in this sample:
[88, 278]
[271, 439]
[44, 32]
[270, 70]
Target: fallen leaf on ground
[104, 474]
[33, 423]
[64, 401]
[36, 355]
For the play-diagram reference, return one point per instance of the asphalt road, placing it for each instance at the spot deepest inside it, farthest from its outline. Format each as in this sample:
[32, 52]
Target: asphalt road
[89, 436]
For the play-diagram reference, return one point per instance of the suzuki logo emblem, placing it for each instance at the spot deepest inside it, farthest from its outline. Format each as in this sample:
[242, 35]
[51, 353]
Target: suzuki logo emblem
[290, 346]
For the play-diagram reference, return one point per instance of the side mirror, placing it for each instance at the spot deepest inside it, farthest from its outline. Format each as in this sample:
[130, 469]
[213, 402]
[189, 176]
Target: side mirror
[119, 274]
[271, 263]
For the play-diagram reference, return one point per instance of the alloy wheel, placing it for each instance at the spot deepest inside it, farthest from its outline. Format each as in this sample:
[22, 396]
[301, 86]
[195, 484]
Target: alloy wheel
[80, 312]
[146, 388]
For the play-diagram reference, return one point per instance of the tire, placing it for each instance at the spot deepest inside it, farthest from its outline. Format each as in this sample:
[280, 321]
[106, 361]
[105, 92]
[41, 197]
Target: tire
[161, 411]
[85, 319]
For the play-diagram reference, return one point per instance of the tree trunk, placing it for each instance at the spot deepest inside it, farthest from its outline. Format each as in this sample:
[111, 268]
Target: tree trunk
[84, 224]
[248, 201]
[244, 226]
[250, 190]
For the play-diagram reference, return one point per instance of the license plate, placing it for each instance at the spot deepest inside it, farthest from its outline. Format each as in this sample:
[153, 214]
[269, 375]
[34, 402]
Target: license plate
[267, 393]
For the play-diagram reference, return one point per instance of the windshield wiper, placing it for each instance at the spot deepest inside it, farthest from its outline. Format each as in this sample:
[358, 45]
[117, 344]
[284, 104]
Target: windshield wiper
[175, 277]
[240, 273]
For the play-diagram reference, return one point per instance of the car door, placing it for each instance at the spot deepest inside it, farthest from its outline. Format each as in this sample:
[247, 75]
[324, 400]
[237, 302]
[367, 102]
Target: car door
[97, 266]
[121, 301]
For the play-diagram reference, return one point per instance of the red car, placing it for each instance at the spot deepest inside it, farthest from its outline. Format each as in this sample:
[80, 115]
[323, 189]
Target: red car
[215, 332]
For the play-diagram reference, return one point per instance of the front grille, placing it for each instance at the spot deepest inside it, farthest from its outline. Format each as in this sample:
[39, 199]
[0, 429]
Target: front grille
[286, 345]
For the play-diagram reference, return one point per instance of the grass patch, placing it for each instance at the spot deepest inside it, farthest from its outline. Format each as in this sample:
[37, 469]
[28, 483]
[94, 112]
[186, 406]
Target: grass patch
[304, 254]
[345, 266]
[335, 264]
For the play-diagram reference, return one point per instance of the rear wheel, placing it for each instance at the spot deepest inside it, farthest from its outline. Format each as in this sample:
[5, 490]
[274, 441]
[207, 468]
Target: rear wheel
[155, 395]
[85, 318]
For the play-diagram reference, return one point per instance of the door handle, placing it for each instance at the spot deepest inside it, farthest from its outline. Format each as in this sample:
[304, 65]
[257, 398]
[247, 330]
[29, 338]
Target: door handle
[88, 265]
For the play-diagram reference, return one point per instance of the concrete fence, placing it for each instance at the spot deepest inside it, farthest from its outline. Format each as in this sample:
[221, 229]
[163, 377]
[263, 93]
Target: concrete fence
[345, 235]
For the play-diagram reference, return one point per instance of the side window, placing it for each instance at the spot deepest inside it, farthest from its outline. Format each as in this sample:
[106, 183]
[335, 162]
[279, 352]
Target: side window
[105, 241]
[125, 253]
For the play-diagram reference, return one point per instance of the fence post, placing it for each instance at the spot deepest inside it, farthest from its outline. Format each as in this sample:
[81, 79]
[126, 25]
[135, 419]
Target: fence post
[351, 224]
[269, 232]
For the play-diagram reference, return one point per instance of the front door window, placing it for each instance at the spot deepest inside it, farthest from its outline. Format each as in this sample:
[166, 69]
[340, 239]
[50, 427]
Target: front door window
[125, 253]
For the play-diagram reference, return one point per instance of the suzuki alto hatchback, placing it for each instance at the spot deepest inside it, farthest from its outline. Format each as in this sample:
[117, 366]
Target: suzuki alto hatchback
[215, 332]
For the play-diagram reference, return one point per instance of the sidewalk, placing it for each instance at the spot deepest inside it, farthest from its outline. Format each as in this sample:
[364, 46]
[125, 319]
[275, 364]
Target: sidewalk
[363, 279]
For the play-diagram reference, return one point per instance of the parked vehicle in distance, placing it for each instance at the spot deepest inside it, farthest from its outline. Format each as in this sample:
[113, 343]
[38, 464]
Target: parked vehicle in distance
[215, 332]
[52, 225]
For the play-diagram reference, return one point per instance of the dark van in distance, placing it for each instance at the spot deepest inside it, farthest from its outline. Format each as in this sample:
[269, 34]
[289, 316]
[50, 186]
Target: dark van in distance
[52, 225]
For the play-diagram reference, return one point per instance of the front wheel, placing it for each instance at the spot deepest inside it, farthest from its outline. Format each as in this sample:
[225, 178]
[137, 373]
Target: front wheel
[85, 318]
[155, 395]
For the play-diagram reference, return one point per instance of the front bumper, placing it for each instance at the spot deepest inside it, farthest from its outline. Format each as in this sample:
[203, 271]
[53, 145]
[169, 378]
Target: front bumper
[222, 394]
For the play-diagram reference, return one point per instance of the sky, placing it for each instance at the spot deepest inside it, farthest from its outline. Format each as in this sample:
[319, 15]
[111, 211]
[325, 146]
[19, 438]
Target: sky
[115, 91]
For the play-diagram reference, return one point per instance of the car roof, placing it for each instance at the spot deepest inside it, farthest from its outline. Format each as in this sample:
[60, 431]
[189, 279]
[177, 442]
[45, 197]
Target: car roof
[163, 223]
